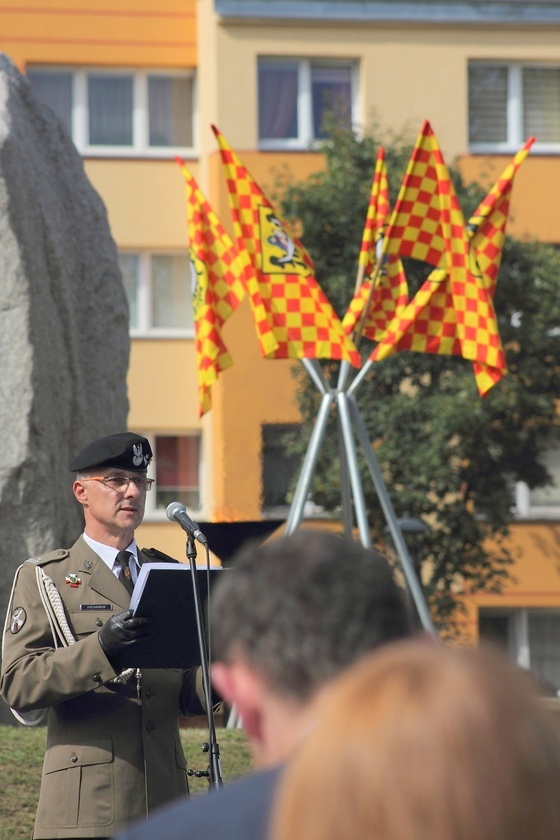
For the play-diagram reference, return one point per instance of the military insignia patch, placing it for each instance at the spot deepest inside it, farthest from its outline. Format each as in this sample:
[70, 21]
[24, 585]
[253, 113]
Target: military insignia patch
[19, 617]
[88, 565]
[73, 580]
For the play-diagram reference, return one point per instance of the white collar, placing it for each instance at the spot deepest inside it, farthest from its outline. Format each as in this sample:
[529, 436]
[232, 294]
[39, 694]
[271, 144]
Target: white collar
[107, 552]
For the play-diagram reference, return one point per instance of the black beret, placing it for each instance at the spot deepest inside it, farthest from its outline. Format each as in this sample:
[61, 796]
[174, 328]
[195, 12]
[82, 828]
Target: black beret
[124, 450]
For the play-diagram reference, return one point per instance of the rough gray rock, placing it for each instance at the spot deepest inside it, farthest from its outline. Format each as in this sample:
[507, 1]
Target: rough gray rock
[64, 345]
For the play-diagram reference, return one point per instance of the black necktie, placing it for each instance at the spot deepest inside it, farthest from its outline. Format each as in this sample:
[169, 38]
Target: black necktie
[122, 559]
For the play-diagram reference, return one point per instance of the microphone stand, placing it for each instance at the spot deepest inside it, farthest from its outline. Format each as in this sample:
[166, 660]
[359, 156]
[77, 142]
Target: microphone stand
[215, 779]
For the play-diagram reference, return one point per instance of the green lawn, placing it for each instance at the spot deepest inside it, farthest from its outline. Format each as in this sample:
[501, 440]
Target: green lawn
[21, 756]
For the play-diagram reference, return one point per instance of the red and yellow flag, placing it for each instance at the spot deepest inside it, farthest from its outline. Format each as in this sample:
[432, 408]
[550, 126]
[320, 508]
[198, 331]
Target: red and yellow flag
[453, 312]
[217, 286]
[487, 225]
[390, 294]
[377, 215]
[292, 315]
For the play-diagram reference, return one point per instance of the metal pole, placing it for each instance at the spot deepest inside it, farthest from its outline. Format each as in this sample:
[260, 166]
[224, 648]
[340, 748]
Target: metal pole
[357, 489]
[388, 510]
[304, 482]
[360, 377]
[345, 494]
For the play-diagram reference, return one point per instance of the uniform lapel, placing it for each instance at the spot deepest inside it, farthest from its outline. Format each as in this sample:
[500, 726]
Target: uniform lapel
[99, 577]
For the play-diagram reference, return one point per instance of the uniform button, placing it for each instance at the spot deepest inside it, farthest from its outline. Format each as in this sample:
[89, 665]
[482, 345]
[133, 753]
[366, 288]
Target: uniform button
[98, 622]
[150, 726]
[97, 678]
[73, 758]
[61, 552]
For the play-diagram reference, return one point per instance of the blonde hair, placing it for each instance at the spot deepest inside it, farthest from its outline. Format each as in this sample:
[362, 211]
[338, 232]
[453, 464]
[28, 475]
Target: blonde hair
[422, 742]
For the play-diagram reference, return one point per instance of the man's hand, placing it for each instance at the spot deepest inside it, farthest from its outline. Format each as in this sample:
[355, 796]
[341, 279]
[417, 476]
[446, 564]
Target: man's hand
[122, 631]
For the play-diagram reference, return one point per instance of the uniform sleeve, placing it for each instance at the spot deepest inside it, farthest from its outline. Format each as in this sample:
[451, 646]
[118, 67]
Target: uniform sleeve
[193, 698]
[34, 673]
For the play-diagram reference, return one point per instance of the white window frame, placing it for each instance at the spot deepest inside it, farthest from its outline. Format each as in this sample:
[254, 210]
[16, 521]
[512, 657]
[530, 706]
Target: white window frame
[518, 643]
[305, 139]
[144, 328]
[140, 118]
[525, 509]
[514, 108]
[153, 513]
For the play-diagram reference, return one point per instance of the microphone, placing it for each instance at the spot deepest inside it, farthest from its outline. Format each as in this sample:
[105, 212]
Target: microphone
[176, 513]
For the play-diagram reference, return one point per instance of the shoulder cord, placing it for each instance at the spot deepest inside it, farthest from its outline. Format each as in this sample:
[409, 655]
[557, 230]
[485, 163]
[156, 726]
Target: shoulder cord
[60, 628]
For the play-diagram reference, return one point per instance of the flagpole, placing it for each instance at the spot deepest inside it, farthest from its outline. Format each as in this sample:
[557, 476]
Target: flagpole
[345, 491]
[390, 516]
[353, 469]
[359, 378]
[309, 463]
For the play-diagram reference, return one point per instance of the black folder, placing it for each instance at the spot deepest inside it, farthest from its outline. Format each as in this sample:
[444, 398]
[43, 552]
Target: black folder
[164, 592]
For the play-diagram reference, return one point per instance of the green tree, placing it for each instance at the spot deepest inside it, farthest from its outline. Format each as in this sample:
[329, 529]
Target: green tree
[447, 456]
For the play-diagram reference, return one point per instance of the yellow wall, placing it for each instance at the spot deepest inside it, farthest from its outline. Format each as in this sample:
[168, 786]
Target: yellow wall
[152, 33]
[145, 201]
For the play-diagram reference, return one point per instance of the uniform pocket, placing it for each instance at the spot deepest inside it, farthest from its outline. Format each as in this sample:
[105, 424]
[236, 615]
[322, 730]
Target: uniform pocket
[84, 623]
[77, 787]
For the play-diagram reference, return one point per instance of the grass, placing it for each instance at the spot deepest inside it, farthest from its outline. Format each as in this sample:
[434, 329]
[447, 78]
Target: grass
[21, 758]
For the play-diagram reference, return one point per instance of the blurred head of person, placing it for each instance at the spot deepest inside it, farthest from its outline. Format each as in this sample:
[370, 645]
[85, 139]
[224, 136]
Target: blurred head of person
[423, 742]
[289, 617]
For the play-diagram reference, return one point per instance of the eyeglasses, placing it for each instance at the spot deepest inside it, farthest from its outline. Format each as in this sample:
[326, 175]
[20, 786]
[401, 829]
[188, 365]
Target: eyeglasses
[121, 483]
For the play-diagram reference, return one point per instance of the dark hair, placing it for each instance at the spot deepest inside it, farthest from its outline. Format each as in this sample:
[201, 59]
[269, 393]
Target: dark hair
[303, 607]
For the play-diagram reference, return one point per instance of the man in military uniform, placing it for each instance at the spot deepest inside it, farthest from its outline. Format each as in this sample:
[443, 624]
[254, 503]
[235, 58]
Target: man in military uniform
[113, 747]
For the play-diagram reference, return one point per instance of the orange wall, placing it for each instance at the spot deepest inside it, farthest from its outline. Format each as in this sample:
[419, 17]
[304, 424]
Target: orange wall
[535, 577]
[534, 197]
[147, 33]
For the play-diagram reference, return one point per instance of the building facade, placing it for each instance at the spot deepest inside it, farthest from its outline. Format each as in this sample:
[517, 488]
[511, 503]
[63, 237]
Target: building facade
[140, 81]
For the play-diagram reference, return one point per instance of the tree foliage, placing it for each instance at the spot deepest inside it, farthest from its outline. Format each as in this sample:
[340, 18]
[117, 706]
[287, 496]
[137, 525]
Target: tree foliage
[447, 456]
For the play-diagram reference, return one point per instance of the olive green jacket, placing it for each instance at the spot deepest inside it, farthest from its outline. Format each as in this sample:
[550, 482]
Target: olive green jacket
[113, 750]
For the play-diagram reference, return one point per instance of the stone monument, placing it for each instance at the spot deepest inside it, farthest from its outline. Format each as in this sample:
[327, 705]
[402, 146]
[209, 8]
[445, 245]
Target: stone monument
[64, 344]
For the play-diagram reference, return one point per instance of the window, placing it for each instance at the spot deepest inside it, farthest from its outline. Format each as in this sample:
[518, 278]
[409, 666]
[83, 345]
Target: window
[158, 287]
[176, 469]
[121, 112]
[531, 638]
[279, 468]
[542, 502]
[295, 97]
[508, 103]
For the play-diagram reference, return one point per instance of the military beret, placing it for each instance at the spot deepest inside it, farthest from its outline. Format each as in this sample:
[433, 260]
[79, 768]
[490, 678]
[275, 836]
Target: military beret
[125, 450]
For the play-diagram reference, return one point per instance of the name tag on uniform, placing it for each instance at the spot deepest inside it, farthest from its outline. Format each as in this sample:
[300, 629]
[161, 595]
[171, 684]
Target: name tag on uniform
[95, 607]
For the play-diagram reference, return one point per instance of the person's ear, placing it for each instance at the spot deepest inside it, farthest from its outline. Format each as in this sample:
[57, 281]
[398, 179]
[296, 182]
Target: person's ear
[80, 491]
[241, 688]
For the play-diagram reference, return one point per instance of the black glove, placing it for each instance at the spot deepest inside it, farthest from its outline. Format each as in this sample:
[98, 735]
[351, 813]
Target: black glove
[122, 631]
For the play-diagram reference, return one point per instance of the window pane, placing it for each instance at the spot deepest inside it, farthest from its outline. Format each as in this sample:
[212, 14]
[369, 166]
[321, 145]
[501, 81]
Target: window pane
[279, 468]
[110, 110]
[55, 90]
[544, 643]
[177, 461]
[278, 91]
[170, 111]
[488, 93]
[128, 264]
[331, 91]
[171, 292]
[541, 103]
